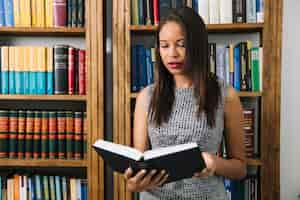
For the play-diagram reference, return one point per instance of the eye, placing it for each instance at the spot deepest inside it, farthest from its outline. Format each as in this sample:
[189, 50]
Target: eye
[163, 45]
[181, 44]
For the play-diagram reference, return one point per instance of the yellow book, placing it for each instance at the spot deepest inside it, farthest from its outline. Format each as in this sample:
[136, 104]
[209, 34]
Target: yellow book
[40, 12]
[17, 13]
[27, 59]
[33, 13]
[33, 70]
[249, 47]
[41, 70]
[25, 13]
[231, 65]
[4, 69]
[49, 70]
[49, 13]
[11, 70]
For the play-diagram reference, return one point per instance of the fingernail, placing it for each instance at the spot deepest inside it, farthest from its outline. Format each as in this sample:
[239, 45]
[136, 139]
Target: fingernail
[153, 171]
[163, 171]
[143, 171]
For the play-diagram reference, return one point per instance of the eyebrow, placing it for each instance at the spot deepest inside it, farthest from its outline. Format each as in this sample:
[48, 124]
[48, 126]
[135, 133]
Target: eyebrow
[176, 41]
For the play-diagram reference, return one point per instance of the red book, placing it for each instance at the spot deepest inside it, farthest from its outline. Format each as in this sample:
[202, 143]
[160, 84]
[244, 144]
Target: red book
[60, 13]
[156, 13]
[71, 69]
[81, 69]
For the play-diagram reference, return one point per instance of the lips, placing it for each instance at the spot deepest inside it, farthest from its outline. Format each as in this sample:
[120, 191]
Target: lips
[175, 65]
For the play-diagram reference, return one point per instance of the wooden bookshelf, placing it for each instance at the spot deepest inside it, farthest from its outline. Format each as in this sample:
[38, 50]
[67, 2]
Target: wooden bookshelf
[43, 163]
[212, 28]
[36, 31]
[240, 94]
[44, 97]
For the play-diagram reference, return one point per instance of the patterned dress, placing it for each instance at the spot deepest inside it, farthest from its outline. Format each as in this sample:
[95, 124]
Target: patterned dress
[184, 126]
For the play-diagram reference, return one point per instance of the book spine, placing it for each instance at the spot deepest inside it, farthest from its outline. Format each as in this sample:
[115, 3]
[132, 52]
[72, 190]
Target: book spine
[17, 12]
[29, 134]
[41, 70]
[203, 10]
[50, 73]
[74, 13]
[134, 12]
[26, 13]
[156, 11]
[26, 73]
[82, 75]
[164, 8]
[52, 135]
[21, 133]
[61, 137]
[37, 135]
[85, 133]
[237, 68]
[46, 194]
[78, 135]
[57, 188]
[71, 69]
[9, 12]
[44, 136]
[34, 13]
[52, 187]
[5, 70]
[60, 13]
[33, 70]
[69, 12]
[134, 69]
[2, 14]
[80, 13]
[13, 133]
[60, 68]
[69, 135]
[49, 13]
[64, 188]
[4, 128]
[11, 69]
[38, 187]
[251, 11]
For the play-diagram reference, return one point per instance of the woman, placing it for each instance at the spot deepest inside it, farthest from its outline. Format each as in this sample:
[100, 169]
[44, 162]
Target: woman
[187, 104]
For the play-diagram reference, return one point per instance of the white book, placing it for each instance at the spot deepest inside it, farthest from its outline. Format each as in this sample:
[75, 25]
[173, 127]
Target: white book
[203, 10]
[226, 11]
[180, 161]
[214, 11]
[260, 11]
[251, 11]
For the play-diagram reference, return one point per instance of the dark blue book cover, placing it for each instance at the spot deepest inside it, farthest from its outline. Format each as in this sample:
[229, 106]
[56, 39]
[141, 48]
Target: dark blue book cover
[237, 68]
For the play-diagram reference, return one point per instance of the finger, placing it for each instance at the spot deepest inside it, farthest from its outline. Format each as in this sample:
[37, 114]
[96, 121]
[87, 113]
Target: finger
[147, 179]
[159, 177]
[163, 180]
[139, 176]
[128, 173]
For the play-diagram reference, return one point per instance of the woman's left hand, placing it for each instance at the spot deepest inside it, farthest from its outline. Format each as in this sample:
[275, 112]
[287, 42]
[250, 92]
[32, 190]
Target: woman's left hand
[211, 166]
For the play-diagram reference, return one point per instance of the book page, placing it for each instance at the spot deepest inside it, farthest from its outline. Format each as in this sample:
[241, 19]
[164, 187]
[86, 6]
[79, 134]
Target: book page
[122, 150]
[168, 150]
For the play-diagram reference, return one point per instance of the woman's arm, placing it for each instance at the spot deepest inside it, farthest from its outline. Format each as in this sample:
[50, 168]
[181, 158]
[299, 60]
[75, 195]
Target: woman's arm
[235, 167]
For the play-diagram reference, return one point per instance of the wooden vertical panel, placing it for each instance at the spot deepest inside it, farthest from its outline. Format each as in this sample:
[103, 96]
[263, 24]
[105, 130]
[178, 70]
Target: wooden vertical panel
[271, 100]
[94, 24]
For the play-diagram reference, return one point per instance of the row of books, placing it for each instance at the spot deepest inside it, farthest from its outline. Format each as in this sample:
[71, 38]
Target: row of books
[42, 70]
[149, 12]
[43, 134]
[246, 189]
[42, 187]
[42, 13]
[239, 65]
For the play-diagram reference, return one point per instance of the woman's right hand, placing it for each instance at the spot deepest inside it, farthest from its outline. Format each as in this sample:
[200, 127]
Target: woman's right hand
[143, 180]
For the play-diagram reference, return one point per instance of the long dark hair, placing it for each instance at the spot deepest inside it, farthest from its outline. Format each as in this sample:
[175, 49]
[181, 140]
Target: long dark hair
[206, 88]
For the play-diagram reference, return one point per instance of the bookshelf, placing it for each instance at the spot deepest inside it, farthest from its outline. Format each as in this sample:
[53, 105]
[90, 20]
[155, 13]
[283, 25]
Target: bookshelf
[270, 38]
[92, 37]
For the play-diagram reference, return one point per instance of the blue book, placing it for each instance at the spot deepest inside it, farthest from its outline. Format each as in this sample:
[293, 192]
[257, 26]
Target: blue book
[237, 68]
[142, 66]
[134, 69]
[64, 188]
[26, 82]
[195, 5]
[12, 81]
[41, 82]
[38, 187]
[57, 188]
[83, 190]
[141, 13]
[49, 82]
[9, 12]
[148, 66]
[19, 76]
[78, 189]
[2, 14]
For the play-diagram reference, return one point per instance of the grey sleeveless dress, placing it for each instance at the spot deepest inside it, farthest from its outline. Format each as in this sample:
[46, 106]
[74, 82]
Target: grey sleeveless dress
[184, 126]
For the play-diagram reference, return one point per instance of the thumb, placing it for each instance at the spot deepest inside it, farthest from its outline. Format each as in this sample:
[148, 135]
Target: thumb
[128, 173]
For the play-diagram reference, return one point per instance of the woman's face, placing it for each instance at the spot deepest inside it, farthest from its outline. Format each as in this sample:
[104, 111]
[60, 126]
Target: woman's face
[172, 48]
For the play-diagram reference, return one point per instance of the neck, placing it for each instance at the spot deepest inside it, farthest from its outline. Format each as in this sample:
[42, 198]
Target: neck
[182, 81]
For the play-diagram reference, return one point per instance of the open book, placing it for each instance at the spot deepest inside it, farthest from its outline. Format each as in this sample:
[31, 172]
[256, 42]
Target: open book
[180, 161]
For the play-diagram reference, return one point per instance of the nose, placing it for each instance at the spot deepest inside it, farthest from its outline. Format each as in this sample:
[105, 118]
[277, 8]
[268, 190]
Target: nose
[172, 51]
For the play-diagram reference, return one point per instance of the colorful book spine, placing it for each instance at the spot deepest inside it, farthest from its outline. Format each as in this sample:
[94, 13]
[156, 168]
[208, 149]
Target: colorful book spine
[50, 74]
[52, 135]
[78, 135]
[4, 70]
[71, 70]
[26, 73]
[37, 134]
[2, 14]
[237, 69]
[21, 133]
[11, 69]
[85, 133]
[52, 187]
[61, 134]
[41, 70]
[25, 13]
[4, 130]
[49, 13]
[80, 13]
[29, 134]
[57, 188]
[9, 12]
[13, 133]
[33, 70]
[69, 13]
[17, 12]
[45, 187]
[74, 13]
[41, 17]
[60, 13]
[69, 135]
[38, 187]
[19, 70]
[64, 188]
[34, 13]
[82, 75]
[45, 136]
[60, 69]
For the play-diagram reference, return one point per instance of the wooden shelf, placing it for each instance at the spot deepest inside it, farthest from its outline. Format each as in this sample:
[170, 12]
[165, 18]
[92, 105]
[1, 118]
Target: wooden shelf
[231, 28]
[254, 162]
[42, 163]
[241, 94]
[35, 31]
[44, 97]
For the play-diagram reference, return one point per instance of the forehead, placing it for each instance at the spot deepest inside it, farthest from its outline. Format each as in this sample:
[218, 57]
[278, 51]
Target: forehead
[171, 31]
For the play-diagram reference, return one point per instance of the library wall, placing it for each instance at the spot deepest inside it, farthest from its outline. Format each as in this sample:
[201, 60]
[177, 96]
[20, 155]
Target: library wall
[290, 106]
